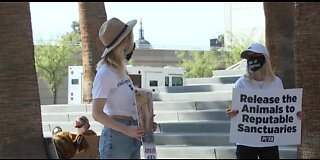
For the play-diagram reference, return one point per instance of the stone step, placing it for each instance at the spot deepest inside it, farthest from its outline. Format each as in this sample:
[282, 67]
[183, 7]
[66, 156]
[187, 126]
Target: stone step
[212, 104]
[167, 127]
[183, 152]
[157, 106]
[210, 152]
[189, 152]
[187, 116]
[160, 116]
[194, 96]
[195, 127]
[64, 116]
[196, 88]
[212, 80]
[49, 134]
[68, 126]
[193, 139]
[232, 72]
[65, 108]
[190, 105]
[55, 117]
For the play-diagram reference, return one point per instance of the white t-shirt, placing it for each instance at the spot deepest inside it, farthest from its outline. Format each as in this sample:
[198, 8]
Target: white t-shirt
[243, 83]
[118, 90]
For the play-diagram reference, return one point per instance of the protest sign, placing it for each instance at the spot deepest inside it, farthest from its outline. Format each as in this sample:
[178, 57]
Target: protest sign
[145, 119]
[266, 117]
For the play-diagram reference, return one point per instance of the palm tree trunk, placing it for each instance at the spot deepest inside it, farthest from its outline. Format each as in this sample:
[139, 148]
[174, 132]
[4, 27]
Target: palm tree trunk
[279, 39]
[307, 60]
[21, 133]
[92, 15]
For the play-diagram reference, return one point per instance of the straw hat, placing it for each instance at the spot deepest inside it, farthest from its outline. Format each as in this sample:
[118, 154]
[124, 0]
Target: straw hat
[113, 31]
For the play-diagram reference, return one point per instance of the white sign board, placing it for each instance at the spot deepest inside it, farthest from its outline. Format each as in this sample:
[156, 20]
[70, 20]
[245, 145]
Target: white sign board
[266, 117]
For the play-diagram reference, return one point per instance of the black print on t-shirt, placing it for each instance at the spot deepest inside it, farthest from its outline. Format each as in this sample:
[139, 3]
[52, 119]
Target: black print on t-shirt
[127, 81]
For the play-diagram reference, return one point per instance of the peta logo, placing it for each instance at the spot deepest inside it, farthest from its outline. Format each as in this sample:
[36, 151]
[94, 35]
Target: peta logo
[267, 138]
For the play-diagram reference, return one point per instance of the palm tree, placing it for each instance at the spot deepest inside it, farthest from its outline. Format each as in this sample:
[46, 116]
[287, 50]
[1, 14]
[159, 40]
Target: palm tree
[92, 15]
[21, 133]
[279, 39]
[306, 63]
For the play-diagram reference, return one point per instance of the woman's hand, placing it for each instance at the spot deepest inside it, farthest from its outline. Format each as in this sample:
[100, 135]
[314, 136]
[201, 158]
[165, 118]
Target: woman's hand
[300, 115]
[154, 126]
[231, 113]
[135, 132]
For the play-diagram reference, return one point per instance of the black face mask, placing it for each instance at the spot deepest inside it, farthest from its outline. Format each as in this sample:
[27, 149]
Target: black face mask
[255, 63]
[129, 55]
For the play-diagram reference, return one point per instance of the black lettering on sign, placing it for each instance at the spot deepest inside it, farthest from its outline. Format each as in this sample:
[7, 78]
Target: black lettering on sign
[267, 138]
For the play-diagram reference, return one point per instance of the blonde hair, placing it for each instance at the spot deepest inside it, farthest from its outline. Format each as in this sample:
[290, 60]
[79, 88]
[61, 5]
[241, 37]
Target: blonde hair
[265, 71]
[115, 58]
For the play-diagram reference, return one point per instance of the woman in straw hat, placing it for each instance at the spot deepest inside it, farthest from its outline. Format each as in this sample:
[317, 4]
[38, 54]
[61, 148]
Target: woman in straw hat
[259, 75]
[114, 103]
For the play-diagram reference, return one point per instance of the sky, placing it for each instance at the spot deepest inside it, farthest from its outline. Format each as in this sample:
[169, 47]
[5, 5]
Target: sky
[169, 25]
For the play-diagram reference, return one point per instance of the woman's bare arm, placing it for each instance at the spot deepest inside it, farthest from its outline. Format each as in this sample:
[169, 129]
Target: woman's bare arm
[99, 116]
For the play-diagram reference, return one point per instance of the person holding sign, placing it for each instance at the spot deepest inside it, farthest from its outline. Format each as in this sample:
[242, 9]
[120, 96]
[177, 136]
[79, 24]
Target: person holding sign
[114, 103]
[259, 76]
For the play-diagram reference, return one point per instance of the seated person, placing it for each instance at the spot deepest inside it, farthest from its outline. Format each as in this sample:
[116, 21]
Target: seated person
[56, 129]
[82, 124]
[68, 144]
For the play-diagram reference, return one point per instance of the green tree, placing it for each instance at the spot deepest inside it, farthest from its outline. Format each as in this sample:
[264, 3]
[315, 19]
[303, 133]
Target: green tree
[220, 41]
[202, 63]
[231, 53]
[52, 60]
[198, 64]
[75, 26]
[73, 40]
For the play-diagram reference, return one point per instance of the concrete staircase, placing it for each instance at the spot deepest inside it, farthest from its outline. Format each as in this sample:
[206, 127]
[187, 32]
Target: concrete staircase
[192, 121]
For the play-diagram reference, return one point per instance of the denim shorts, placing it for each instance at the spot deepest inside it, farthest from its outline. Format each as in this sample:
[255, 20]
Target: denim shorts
[115, 145]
